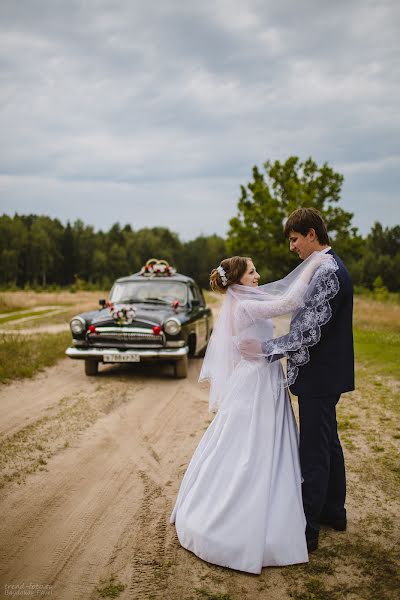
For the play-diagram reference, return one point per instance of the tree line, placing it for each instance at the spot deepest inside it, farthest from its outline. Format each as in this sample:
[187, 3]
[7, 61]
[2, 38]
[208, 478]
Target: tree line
[36, 250]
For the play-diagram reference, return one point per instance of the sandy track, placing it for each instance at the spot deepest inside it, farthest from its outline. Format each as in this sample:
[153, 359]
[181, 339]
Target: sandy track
[23, 402]
[65, 526]
[102, 505]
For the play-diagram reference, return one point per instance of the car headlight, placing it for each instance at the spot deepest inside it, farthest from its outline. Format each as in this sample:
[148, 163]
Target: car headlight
[77, 325]
[172, 326]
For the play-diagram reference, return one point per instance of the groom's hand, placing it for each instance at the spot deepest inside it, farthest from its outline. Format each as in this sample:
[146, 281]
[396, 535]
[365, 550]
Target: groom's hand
[250, 348]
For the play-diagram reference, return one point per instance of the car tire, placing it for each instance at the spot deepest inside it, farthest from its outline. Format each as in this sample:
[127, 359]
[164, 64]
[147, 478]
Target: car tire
[192, 345]
[91, 367]
[181, 368]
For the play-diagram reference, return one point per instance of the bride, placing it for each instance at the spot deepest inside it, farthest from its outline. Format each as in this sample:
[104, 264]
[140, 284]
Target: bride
[240, 503]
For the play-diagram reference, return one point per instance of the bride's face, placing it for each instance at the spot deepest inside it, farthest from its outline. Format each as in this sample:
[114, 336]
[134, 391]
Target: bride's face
[251, 277]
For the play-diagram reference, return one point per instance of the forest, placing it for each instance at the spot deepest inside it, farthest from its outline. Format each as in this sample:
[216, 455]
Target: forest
[37, 251]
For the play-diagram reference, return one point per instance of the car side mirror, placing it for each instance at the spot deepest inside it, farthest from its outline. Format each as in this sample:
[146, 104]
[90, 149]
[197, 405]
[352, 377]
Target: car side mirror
[102, 303]
[195, 302]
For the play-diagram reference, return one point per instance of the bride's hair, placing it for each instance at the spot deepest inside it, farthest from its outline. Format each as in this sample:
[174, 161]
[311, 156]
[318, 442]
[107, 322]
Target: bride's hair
[234, 268]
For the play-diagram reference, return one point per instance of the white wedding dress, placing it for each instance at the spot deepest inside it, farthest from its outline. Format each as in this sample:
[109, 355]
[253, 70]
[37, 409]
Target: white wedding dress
[240, 503]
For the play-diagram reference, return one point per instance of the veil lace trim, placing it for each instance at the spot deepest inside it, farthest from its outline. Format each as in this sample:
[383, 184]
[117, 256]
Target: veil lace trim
[305, 328]
[303, 295]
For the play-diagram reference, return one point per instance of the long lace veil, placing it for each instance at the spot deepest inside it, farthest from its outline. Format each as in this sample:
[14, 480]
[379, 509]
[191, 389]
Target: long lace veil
[298, 305]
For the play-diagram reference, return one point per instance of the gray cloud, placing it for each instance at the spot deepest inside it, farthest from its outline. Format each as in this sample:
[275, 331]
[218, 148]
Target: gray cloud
[159, 110]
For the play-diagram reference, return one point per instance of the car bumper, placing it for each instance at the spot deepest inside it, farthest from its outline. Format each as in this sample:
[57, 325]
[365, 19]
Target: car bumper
[151, 354]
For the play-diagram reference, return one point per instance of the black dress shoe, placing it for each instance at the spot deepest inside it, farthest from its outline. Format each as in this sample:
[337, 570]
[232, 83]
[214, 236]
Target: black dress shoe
[336, 524]
[312, 544]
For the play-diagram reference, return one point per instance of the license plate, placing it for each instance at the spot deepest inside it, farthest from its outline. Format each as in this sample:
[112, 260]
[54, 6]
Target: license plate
[127, 357]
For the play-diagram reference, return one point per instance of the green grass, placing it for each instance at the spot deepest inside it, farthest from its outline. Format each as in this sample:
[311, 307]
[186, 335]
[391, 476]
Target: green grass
[55, 317]
[378, 349]
[375, 564]
[23, 356]
[110, 588]
[6, 308]
[316, 590]
[24, 315]
[363, 562]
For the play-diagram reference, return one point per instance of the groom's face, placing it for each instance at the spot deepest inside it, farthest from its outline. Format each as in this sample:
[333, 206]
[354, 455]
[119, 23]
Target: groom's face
[302, 244]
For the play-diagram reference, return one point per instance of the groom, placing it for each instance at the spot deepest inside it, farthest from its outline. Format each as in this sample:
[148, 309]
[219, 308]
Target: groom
[319, 384]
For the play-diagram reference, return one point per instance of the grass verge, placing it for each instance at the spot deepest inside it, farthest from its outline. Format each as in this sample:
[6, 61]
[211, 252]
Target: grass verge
[24, 356]
[56, 317]
[378, 350]
[26, 315]
[361, 563]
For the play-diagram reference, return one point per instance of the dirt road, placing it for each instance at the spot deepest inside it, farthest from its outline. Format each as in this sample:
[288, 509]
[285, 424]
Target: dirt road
[100, 506]
[90, 472]
[90, 469]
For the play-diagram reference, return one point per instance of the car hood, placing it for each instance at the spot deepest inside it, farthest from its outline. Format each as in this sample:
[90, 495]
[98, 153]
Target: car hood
[145, 314]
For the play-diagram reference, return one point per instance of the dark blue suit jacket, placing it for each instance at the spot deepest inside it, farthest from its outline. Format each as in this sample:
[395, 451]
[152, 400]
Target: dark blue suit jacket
[330, 370]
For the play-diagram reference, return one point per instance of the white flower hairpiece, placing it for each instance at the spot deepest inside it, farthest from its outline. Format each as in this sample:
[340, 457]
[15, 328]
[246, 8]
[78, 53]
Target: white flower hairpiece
[222, 274]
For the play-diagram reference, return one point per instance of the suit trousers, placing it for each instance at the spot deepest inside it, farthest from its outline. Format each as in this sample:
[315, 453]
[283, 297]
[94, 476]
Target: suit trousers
[322, 461]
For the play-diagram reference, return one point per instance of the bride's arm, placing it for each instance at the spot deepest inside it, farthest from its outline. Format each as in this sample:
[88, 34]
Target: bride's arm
[291, 301]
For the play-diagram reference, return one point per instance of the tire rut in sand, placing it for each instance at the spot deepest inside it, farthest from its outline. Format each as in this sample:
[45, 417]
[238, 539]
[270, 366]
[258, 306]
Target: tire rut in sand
[30, 522]
[53, 538]
[103, 505]
[83, 521]
[152, 554]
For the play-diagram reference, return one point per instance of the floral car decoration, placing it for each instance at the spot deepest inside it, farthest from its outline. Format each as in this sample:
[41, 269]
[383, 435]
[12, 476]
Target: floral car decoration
[156, 267]
[154, 315]
[123, 314]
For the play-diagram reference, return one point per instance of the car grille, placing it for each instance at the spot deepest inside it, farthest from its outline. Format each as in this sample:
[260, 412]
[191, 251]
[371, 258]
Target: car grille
[128, 337]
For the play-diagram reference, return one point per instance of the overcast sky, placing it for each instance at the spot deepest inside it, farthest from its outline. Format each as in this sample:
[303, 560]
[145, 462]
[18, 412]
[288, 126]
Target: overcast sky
[153, 112]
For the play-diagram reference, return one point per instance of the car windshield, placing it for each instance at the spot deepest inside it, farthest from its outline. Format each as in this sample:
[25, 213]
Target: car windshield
[161, 292]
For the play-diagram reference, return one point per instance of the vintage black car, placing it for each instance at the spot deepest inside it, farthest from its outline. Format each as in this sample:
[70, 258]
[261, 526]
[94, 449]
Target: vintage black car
[153, 315]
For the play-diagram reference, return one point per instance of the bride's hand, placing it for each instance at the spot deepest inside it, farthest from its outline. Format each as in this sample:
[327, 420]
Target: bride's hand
[314, 263]
[250, 348]
[320, 258]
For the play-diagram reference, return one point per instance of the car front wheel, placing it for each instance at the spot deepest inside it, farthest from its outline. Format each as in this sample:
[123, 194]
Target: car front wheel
[181, 368]
[91, 367]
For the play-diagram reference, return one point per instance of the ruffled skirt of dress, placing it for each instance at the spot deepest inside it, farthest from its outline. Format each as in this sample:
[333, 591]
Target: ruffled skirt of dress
[239, 503]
